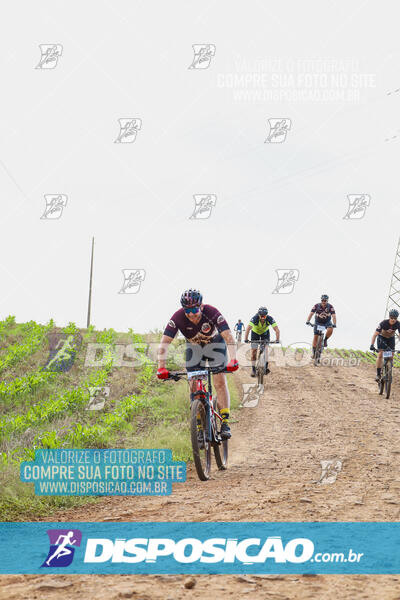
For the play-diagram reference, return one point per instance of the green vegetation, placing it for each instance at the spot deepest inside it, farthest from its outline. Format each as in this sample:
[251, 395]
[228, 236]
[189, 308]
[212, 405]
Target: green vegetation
[46, 408]
[18, 351]
[6, 324]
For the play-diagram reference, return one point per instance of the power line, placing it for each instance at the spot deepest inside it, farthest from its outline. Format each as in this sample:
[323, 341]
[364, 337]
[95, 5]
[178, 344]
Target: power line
[90, 285]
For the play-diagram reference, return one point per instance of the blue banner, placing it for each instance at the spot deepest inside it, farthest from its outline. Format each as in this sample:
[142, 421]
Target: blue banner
[200, 548]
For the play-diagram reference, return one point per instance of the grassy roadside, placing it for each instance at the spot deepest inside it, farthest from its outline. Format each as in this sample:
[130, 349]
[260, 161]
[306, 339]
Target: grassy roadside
[158, 417]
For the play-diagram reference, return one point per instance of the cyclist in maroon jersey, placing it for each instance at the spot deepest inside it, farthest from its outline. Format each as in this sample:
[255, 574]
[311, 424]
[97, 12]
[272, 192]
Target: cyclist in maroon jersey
[208, 339]
[324, 315]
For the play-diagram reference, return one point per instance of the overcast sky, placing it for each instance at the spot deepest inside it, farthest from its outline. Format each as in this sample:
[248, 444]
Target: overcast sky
[327, 67]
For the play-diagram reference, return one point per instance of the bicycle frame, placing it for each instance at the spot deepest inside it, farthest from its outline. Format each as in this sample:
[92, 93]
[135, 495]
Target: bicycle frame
[262, 348]
[321, 330]
[385, 380]
[203, 394]
[201, 398]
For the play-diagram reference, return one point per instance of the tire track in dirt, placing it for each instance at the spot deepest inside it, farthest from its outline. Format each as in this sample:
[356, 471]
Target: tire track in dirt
[305, 415]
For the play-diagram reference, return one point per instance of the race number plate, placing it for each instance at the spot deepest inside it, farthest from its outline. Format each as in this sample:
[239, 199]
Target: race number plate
[192, 374]
[387, 354]
[321, 328]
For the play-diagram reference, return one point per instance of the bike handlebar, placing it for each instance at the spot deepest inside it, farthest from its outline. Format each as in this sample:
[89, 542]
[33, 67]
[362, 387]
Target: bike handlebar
[383, 349]
[177, 375]
[266, 342]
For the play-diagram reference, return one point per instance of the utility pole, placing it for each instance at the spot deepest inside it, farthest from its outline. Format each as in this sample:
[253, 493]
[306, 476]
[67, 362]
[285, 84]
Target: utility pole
[90, 286]
[393, 300]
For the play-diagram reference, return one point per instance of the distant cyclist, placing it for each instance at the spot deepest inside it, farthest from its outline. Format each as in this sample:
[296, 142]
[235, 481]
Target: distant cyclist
[324, 315]
[386, 334]
[259, 326]
[239, 328]
[208, 339]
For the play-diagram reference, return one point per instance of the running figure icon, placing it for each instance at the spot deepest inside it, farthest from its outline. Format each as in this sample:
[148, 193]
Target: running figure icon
[62, 549]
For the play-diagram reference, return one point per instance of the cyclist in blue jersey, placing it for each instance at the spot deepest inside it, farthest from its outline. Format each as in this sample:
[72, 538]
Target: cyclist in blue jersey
[238, 329]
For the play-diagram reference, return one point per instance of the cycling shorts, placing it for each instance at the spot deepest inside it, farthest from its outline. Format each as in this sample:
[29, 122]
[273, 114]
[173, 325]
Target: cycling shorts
[384, 343]
[327, 324]
[259, 336]
[214, 354]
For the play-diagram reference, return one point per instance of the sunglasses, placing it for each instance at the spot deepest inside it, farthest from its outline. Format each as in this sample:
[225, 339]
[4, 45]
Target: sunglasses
[194, 310]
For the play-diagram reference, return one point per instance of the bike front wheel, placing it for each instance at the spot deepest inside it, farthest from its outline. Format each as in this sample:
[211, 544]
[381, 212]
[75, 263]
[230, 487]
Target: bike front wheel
[221, 454]
[260, 374]
[388, 379]
[200, 446]
[318, 351]
[382, 382]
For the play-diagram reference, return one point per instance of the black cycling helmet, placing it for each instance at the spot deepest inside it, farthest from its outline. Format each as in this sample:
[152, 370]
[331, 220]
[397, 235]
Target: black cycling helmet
[191, 298]
[262, 311]
[393, 314]
[325, 297]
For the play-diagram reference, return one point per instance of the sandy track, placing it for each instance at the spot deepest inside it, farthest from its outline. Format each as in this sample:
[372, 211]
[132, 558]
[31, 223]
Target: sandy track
[305, 415]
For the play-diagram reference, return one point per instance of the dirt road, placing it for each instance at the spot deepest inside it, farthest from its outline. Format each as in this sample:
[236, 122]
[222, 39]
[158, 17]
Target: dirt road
[306, 415]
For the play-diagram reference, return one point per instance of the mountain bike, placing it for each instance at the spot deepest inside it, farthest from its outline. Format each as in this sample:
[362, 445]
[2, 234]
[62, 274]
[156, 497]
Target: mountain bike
[385, 381]
[261, 358]
[321, 329]
[238, 335]
[205, 421]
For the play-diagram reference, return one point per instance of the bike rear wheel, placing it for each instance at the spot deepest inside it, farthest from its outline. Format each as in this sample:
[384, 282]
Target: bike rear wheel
[201, 456]
[221, 454]
[388, 378]
[221, 449]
